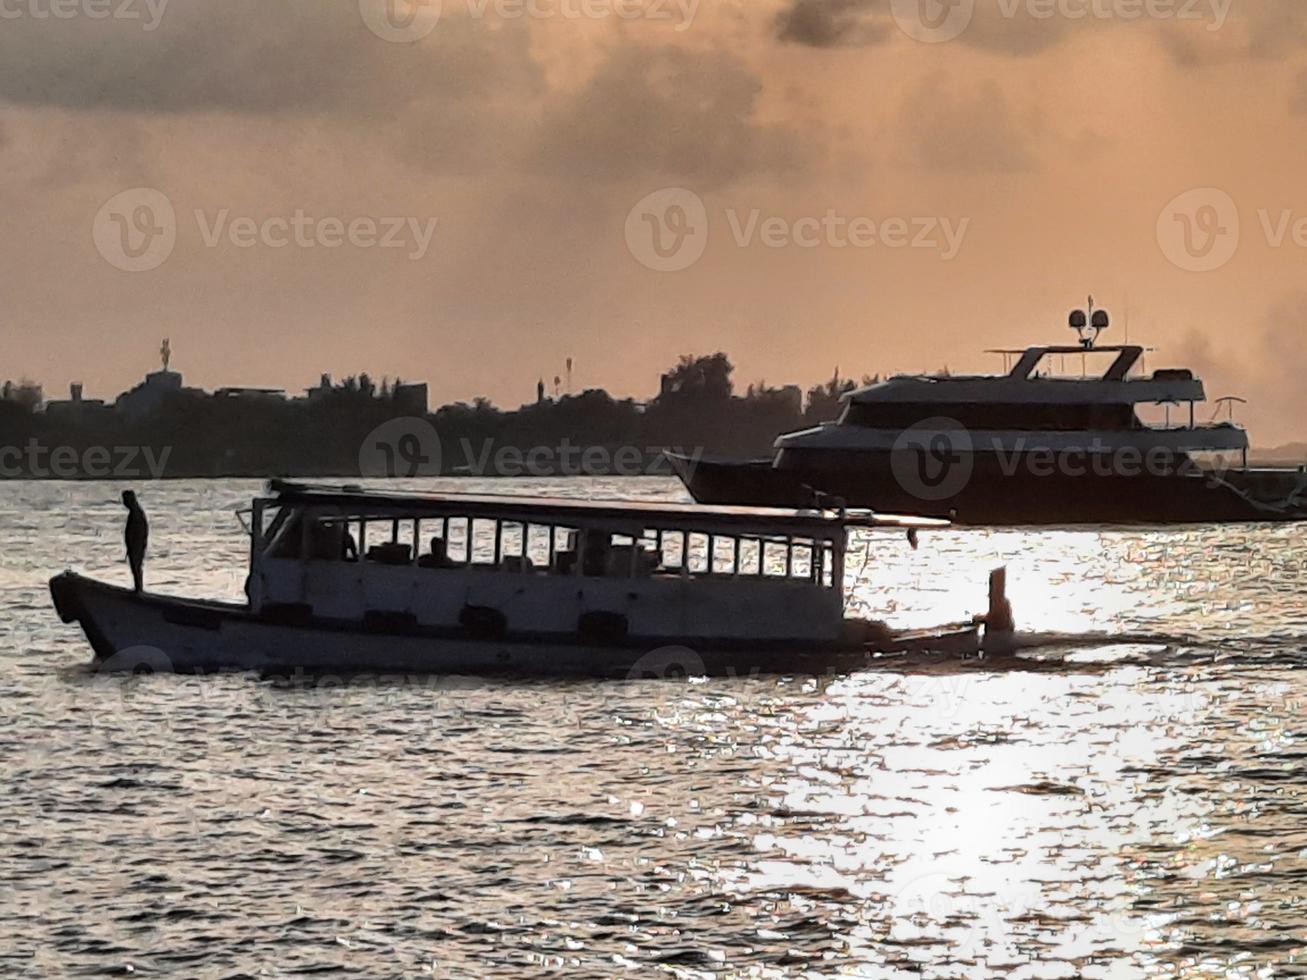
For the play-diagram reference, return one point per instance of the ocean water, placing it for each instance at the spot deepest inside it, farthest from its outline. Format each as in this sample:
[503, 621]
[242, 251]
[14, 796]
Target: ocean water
[1132, 808]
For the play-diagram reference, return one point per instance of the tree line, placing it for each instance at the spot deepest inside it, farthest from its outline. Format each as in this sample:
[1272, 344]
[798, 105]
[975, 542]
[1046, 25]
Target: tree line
[698, 410]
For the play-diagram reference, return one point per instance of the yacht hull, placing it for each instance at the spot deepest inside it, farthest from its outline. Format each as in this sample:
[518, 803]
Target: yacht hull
[1005, 495]
[143, 632]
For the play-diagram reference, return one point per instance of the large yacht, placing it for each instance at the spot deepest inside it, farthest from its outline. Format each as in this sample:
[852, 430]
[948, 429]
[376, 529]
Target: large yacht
[1036, 445]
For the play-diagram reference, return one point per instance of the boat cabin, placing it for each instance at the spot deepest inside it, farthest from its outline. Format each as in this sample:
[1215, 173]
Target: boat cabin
[504, 565]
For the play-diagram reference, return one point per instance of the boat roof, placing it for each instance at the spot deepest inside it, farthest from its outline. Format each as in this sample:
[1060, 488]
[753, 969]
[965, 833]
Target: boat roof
[1023, 385]
[356, 500]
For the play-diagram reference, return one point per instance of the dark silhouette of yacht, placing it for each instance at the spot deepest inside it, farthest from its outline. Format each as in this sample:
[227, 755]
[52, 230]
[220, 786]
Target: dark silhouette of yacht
[1031, 446]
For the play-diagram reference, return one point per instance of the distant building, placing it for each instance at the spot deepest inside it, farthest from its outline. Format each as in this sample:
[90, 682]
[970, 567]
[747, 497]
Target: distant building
[323, 388]
[146, 397]
[413, 398]
[76, 407]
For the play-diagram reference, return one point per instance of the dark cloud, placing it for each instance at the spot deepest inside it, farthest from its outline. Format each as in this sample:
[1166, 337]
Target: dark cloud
[244, 56]
[673, 113]
[1210, 31]
[831, 23]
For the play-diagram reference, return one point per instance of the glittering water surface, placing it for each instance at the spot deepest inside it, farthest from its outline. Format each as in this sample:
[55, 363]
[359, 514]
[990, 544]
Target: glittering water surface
[1131, 809]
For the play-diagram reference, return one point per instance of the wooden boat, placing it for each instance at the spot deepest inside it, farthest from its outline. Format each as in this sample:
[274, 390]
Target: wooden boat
[346, 580]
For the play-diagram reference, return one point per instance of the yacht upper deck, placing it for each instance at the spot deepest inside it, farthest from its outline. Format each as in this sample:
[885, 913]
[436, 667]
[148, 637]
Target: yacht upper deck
[1026, 384]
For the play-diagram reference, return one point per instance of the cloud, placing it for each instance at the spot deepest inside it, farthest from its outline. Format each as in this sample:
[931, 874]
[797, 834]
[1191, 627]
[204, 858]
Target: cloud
[968, 132]
[832, 23]
[249, 57]
[669, 114]
[1195, 33]
[1266, 365]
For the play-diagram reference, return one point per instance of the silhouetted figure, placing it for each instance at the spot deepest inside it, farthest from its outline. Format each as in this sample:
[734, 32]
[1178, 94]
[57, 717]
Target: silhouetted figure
[439, 556]
[137, 538]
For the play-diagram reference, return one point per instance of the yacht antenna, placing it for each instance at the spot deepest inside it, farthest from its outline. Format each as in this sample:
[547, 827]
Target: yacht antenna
[1089, 325]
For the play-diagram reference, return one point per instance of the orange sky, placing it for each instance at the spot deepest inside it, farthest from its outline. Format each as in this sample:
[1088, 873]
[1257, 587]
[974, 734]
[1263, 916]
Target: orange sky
[1051, 145]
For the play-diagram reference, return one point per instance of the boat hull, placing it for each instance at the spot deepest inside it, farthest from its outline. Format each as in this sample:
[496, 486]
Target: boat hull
[993, 495]
[143, 632]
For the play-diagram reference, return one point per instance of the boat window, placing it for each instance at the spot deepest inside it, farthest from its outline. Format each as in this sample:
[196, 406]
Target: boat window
[512, 540]
[456, 540]
[774, 557]
[513, 547]
[998, 417]
[672, 548]
[723, 552]
[565, 542]
[696, 547]
[750, 556]
[390, 542]
[801, 560]
[538, 548]
[484, 541]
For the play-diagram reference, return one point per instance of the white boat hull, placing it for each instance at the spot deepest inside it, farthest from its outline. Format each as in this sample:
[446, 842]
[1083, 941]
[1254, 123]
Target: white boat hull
[131, 632]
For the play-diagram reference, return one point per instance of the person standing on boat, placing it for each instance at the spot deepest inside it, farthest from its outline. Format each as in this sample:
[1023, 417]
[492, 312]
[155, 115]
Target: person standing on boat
[137, 538]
